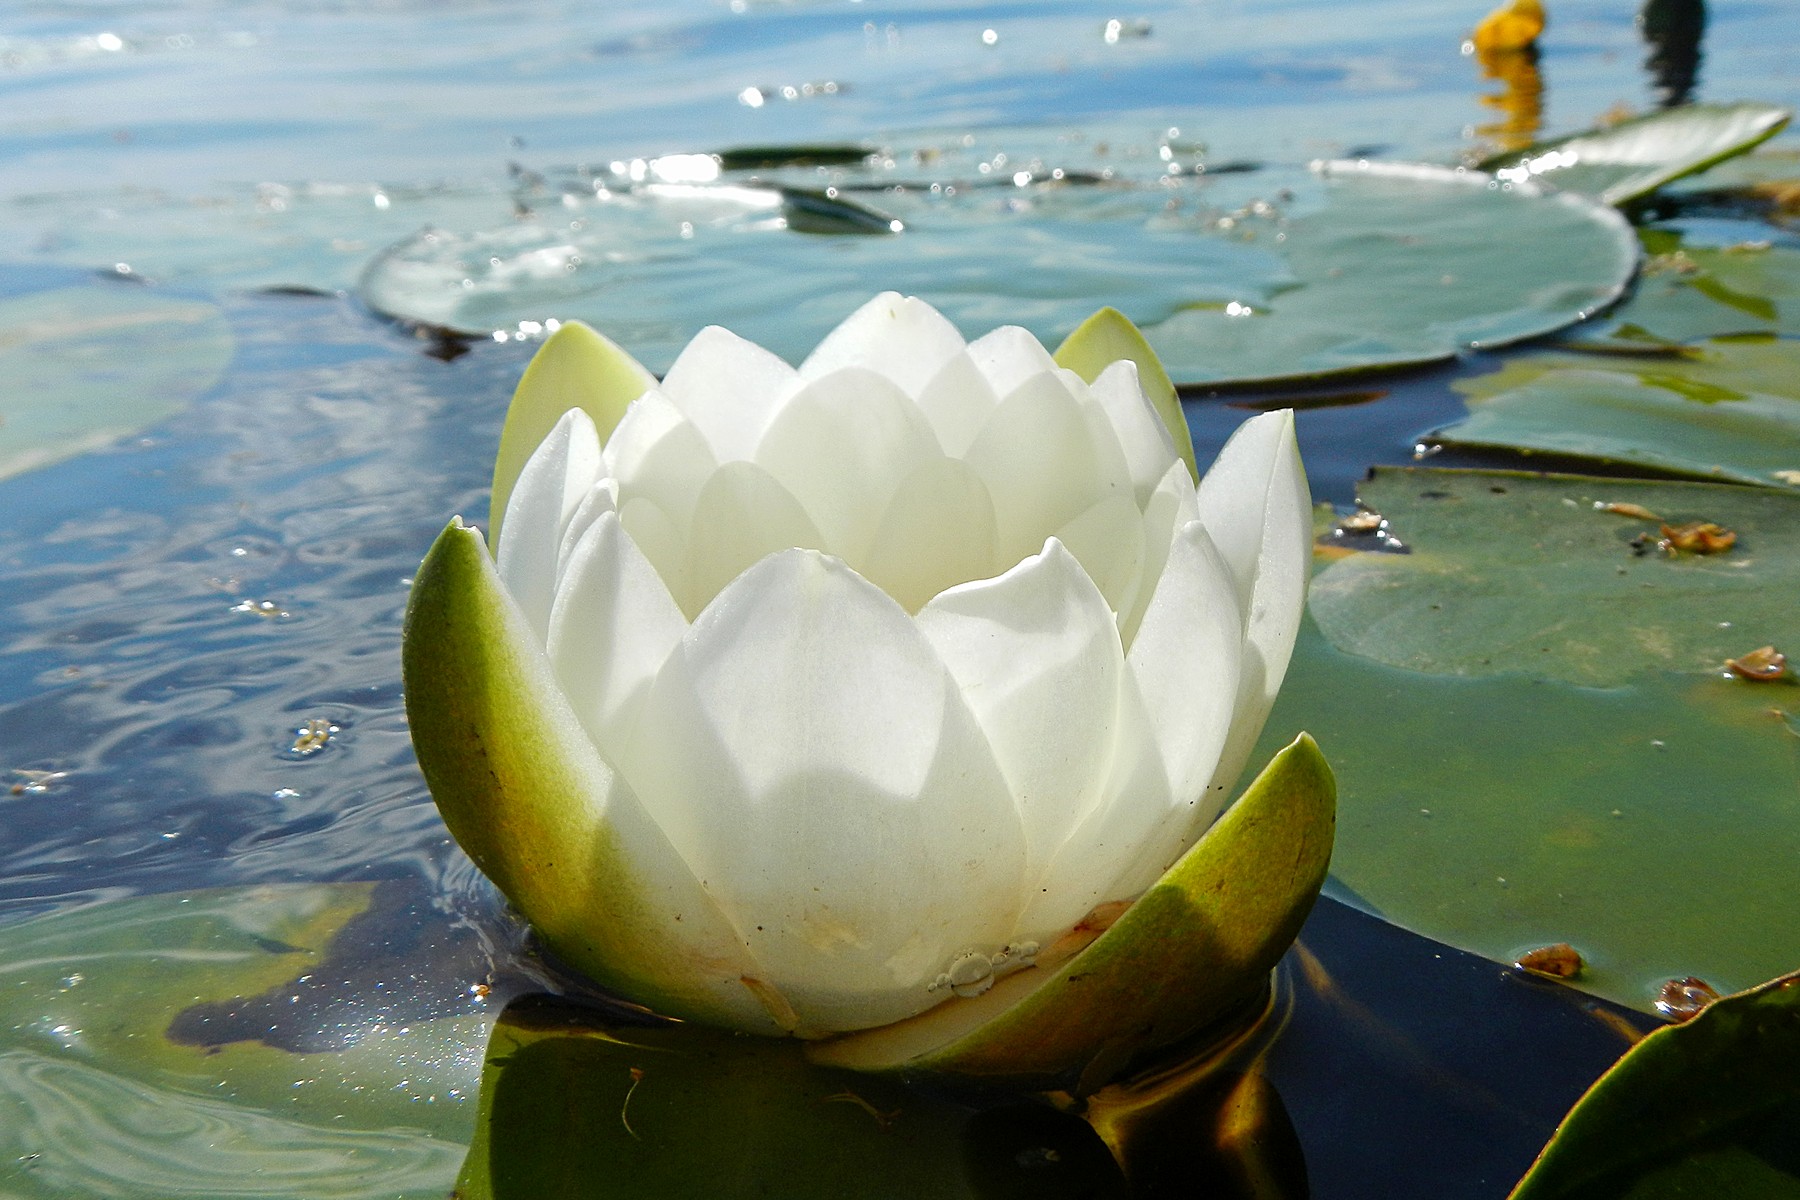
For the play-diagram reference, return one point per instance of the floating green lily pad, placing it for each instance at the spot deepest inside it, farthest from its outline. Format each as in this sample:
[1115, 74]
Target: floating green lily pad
[1492, 795]
[1624, 162]
[1710, 1107]
[1527, 574]
[151, 1047]
[1408, 265]
[1694, 287]
[86, 365]
[1663, 420]
[1273, 273]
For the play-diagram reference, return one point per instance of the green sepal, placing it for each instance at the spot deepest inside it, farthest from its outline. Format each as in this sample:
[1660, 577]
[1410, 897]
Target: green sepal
[574, 368]
[526, 794]
[1194, 949]
[1106, 337]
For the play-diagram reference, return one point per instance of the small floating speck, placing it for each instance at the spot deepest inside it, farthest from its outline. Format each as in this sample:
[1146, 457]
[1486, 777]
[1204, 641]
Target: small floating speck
[266, 609]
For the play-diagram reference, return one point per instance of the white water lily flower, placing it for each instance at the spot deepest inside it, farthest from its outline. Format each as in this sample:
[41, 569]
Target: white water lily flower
[858, 684]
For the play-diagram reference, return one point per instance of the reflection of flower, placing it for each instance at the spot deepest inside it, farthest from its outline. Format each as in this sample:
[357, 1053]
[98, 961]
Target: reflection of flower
[822, 695]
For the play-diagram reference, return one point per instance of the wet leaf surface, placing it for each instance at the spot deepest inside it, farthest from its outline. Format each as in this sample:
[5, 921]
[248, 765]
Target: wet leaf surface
[1626, 161]
[1712, 1103]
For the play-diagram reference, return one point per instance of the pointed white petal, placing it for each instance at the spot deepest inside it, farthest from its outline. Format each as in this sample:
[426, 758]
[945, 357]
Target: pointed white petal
[1258, 509]
[1046, 457]
[540, 811]
[662, 541]
[1141, 432]
[613, 626]
[656, 452]
[1108, 540]
[900, 337]
[1187, 661]
[556, 478]
[599, 501]
[1175, 699]
[841, 446]
[814, 763]
[743, 515]
[1009, 356]
[729, 388]
[1037, 656]
[957, 401]
[1171, 506]
[938, 531]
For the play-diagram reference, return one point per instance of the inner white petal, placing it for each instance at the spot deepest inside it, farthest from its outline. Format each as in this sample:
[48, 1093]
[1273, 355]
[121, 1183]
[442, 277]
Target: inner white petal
[729, 388]
[900, 337]
[556, 479]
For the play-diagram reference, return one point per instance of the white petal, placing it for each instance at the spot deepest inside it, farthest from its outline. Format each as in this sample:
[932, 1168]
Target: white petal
[1171, 506]
[901, 337]
[613, 626]
[729, 388]
[743, 515]
[1258, 509]
[957, 401]
[841, 446]
[814, 763]
[1108, 540]
[1186, 661]
[1037, 656]
[662, 541]
[938, 531]
[599, 501]
[1009, 356]
[553, 484]
[1134, 823]
[1045, 461]
[1141, 432]
[656, 452]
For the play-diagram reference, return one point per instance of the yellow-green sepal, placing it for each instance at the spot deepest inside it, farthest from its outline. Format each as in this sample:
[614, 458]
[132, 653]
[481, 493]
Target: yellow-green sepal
[1106, 337]
[526, 794]
[1196, 947]
[574, 368]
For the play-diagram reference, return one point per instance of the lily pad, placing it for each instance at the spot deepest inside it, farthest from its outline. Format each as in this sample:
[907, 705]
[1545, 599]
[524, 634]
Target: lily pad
[1624, 162]
[1725, 278]
[1190, 951]
[1410, 264]
[87, 365]
[1528, 574]
[1663, 420]
[1713, 1104]
[1272, 273]
[215, 1012]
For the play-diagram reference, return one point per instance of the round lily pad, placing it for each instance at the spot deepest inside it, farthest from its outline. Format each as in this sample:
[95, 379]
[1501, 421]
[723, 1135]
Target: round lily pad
[1536, 575]
[87, 364]
[1269, 273]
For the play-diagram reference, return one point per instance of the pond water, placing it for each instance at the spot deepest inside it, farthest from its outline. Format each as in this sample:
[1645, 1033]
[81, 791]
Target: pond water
[226, 465]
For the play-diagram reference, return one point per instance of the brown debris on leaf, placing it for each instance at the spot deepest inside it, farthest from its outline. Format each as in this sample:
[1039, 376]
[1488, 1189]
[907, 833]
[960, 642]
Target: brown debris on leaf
[1765, 664]
[1627, 510]
[1697, 537]
[1560, 961]
[1682, 999]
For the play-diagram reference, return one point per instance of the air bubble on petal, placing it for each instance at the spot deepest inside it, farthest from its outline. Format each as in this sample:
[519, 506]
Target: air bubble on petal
[970, 974]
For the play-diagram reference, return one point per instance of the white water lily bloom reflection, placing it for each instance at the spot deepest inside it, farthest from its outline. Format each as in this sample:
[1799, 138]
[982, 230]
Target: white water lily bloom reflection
[893, 666]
